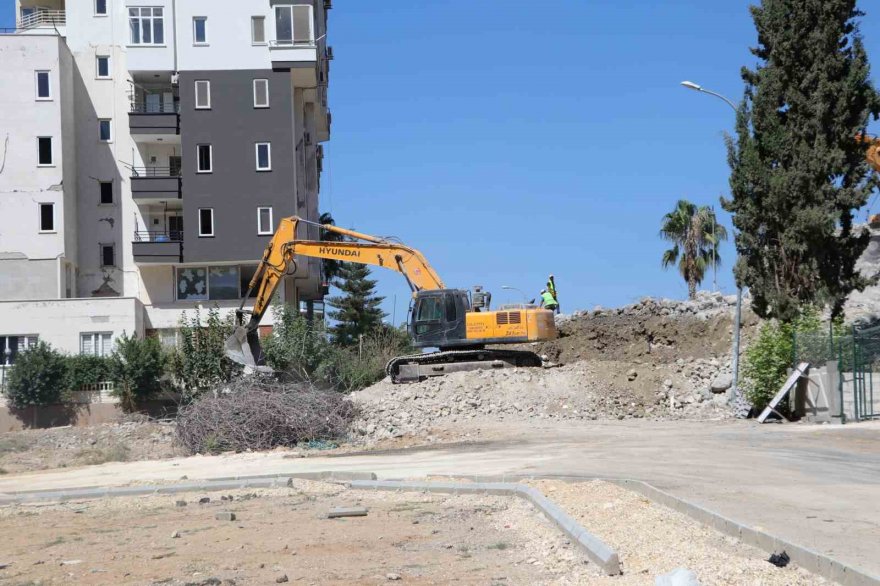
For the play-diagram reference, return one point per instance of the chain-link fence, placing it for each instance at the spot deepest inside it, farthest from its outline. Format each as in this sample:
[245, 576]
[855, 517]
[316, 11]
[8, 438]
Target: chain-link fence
[856, 357]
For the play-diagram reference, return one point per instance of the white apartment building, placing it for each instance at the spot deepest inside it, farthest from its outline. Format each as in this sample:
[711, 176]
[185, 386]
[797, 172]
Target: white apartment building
[148, 149]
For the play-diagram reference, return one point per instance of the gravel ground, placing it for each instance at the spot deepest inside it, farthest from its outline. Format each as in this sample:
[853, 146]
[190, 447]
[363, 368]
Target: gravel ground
[60, 447]
[652, 540]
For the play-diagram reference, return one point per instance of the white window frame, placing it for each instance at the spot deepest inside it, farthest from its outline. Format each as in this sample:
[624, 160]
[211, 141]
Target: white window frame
[97, 348]
[269, 230]
[257, 105]
[37, 73]
[98, 67]
[207, 83]
[54, 229]
[196, 42]
[257, 156]
[109, 122]
[210, 168]
[141, 18]
[293, 41]
[51, 163]
[254, 40]
[106, 8]
[213, 231]
[101, 248]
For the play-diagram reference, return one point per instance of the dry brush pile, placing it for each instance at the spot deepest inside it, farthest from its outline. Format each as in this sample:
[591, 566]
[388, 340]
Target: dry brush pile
[258, 414]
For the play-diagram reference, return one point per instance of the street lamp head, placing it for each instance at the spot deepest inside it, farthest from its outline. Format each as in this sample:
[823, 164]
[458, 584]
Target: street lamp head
[692, 86]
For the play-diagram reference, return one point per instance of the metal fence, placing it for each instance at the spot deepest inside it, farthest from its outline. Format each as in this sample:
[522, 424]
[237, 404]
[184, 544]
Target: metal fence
[856, 353]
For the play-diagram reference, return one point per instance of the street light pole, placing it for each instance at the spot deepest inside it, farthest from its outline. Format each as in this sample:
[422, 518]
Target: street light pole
[739, 292]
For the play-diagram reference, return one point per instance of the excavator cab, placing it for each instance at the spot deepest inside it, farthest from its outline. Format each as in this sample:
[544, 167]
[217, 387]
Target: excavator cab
[438, 318]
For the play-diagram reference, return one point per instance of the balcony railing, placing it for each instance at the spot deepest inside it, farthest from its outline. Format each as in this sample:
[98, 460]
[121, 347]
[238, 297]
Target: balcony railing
[158, 236]
[155, 108]
[42, 17]
[155, 171]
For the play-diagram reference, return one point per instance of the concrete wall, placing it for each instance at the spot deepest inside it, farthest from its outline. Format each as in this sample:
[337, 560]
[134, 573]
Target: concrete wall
[116, 315]
[23, 183]
[235, 188]
[819, 397]
[28, 279]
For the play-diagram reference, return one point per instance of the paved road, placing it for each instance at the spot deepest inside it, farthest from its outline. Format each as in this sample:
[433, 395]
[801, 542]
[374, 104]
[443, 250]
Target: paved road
[818, 486]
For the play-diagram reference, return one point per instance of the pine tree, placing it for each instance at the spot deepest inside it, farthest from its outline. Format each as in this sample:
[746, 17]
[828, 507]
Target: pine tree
[357, 310]
[798, 172]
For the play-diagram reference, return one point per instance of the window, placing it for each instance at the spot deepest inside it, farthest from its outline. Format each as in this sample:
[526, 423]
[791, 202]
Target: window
[100, 7]
[293, 25]
[214, 283]
[44, 146]
[108, 255]
[200, 30]
[47, 217]
[264, 156]
[203, 94]
[102, 67]
[96, 343]
[146, 25]
[12, 346]
[206, 222]
[258, 30]
[204, 154]
[264, 221]
[104, 130]
[261, 93]
[106, 192]
[44, 90]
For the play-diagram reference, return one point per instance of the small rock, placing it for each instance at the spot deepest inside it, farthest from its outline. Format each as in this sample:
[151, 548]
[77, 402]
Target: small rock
[175, 535]
[721, 383]
[180, 504]
[225, 516]
[392, 577]
[281, 579]
[4, 565]
[204, 500]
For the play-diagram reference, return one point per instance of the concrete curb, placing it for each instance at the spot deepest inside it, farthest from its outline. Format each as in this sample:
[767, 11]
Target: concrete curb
[595, 549]
[213, 484]
[810, 560]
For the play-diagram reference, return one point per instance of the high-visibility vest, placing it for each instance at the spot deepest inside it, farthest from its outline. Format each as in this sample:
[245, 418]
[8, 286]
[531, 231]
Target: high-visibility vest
[548, 299]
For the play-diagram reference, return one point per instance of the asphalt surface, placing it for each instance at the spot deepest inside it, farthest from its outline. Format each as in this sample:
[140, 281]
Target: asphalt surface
[816, 486]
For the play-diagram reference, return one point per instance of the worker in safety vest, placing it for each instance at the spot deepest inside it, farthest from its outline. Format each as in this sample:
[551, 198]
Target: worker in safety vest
[547, 300]
[551, 288]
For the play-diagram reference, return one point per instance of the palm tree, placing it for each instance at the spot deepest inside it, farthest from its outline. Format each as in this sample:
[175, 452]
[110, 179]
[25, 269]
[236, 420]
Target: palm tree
[695, 235]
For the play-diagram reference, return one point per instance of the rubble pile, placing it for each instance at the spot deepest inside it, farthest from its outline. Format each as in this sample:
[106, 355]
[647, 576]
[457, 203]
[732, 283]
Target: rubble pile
[655, 359]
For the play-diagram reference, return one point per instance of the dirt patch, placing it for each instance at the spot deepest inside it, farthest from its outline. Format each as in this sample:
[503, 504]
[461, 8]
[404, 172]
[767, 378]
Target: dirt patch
[422, 539]
[60, 447]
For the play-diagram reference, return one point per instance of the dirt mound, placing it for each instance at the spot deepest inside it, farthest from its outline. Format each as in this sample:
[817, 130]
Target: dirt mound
[656, 330]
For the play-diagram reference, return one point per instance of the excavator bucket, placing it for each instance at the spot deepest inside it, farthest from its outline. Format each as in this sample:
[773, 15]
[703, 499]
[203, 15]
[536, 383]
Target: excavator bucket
[243, 347]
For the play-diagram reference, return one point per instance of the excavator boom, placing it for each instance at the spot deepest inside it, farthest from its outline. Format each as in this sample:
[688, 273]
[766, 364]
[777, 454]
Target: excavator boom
[279, 257]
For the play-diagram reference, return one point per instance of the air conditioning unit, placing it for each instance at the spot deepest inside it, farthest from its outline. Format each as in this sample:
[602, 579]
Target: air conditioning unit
[175, 78]
[329, 53]
[308, 138]
[328, 4]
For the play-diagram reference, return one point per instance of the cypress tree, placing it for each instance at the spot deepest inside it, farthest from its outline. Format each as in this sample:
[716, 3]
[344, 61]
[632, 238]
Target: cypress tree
[798, 172]
[357, 310]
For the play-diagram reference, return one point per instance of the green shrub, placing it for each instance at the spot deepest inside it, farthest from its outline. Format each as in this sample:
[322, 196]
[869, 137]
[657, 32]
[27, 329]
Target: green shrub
[199, 362]
[770, 356]
[85, 369]
[37, 377]
[136, 367]
[302, 350]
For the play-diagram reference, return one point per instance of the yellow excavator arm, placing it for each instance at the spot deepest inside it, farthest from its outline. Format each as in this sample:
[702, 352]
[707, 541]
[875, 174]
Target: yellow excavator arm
[278, 258]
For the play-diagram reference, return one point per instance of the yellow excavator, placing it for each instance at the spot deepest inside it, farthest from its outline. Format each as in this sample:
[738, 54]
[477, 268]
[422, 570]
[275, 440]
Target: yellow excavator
[457, 322]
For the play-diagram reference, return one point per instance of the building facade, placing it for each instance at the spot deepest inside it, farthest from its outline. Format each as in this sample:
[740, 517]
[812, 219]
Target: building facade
[148, 150]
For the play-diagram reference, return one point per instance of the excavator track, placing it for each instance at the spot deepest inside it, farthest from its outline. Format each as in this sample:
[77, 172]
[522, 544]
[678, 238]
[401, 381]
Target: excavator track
[417, 367]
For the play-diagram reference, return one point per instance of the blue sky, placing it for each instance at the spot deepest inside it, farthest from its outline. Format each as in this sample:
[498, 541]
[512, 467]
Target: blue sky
[508, 139]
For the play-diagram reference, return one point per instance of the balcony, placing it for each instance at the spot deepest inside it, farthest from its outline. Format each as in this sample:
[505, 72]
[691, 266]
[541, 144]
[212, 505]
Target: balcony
[294, 45]
[154, 120]
[158, 247]
[156, 184]
[41, 18]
